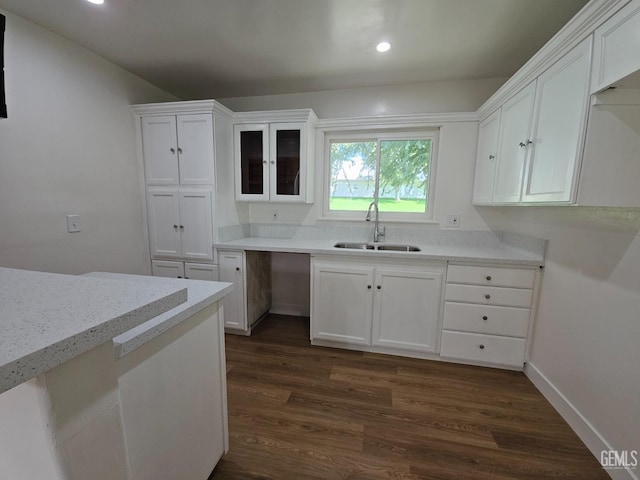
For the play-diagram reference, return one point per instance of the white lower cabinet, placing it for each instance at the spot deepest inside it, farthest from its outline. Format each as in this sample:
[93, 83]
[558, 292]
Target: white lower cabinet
[194, 271]
[387, 304]
[250, 273]
[487, 314]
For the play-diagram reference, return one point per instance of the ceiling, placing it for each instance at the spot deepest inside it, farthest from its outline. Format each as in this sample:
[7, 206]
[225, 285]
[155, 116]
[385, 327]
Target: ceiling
[226, 48]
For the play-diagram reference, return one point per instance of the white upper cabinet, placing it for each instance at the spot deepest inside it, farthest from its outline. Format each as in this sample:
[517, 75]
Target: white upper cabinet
[178, 149]
[616, 52]
[514, 143]
[488, 135]
[160, 150]
[559, 123]
[541, 137]
[273, 157]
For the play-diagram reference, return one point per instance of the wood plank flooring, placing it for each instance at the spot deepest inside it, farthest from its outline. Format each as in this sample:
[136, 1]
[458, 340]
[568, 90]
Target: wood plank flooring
[303, 412]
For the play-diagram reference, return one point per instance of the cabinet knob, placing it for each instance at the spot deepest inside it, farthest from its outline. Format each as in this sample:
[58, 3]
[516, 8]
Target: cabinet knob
[484, 317]
[487, 296]
[488, 278]
[481, 347]
[175, 226]
[179, 150]
[491, 157]
[379, 287]
[237, 269]
[181, 227]
[179, 276]
[369, 287]
[172, 150]
[264, 161]
[526, 143]
[273, 162]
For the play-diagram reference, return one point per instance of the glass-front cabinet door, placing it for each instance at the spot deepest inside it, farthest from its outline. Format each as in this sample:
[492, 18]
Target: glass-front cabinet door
[271, 162]
[287, 161]
[252, 164]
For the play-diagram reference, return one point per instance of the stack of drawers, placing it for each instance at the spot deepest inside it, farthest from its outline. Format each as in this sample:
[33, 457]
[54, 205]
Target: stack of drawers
[486, 316]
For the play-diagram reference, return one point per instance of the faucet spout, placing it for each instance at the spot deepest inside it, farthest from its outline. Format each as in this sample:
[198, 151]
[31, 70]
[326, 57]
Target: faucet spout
[377, 233]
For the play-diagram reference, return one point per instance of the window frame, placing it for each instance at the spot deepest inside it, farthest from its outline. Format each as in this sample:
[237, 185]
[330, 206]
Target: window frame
[378, 135]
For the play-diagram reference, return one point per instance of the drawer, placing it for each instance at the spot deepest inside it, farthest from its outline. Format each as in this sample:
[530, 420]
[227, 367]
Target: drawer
[500, 277]
[510, 297]
[469, 317]
[483, 348]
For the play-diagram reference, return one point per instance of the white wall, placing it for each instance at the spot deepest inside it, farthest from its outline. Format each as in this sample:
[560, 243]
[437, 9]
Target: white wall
[433, 97]
[69, 146]
[588, 326]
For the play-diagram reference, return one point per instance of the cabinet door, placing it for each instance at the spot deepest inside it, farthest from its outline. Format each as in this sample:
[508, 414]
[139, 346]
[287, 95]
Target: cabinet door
[514, 140]
[201, 271]
[195, 149]
[617, 48]
[488, 135]
[406, 312]
[195, 224]
[287, 161]
[164, 222]
[163, 268]
[252, 168]
[231, 269]
[341, 303]
[559, 122]
[160, 150]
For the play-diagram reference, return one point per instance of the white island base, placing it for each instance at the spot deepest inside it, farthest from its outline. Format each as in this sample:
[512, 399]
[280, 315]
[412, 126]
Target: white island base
[156, 412]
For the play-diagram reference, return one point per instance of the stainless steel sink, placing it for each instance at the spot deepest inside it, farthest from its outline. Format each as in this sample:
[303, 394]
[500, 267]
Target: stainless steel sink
[371, 246]
[398, 248]
[356, 245]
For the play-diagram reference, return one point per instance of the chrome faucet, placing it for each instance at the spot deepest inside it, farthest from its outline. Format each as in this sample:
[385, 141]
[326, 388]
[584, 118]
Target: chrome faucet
[377, 233]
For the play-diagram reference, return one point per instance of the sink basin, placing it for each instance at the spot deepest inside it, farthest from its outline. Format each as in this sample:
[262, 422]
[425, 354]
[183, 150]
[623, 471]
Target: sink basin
[357, 245]
[399, 248]
[371, 246]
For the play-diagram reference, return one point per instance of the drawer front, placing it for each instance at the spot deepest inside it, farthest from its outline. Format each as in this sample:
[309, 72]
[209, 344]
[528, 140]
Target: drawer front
[495, 276]
[468, 317]
[483, 348]
[509, 297]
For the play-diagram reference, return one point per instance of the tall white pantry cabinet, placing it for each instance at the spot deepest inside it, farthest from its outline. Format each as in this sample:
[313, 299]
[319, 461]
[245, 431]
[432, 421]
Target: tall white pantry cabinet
[177, 146]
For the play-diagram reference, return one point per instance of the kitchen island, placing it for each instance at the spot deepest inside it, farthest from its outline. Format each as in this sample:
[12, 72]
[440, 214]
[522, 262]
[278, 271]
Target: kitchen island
[75, 376]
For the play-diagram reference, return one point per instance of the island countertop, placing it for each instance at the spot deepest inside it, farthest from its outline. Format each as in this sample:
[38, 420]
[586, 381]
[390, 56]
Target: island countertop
[47, 318]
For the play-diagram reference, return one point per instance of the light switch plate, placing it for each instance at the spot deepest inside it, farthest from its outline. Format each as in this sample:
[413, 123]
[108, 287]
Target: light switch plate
[73, 223]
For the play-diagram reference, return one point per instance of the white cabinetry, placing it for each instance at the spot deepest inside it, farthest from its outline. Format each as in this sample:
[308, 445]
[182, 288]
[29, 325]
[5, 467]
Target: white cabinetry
[180, 223]
[488, 136]
[385, 305]
[250, 273]
[541, 137]
[616, 53]
[194, 271]
[487, 314]
[178, 152]
[274, 157]
[514, 141]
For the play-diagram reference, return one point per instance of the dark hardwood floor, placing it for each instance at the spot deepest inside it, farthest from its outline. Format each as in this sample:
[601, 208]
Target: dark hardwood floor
[303, 412]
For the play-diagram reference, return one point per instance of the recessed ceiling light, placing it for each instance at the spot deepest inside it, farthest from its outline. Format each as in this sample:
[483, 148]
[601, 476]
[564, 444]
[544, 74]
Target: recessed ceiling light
[96, 2]
[383, 46]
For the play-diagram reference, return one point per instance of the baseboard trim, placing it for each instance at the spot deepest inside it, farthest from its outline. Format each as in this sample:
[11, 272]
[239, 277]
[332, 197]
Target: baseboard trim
[290, 309]
[594, 441]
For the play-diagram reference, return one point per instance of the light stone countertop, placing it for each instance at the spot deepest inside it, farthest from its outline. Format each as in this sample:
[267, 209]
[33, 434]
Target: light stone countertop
[439, 252]
[201, 294]
[47, 319]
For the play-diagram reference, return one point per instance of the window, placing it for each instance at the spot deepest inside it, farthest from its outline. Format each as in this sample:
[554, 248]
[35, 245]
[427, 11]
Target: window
[396, 170]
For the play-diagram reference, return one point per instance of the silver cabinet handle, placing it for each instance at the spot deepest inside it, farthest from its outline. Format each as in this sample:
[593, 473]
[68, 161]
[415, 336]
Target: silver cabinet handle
[179, 150]
[525, 143]
[181, 227]
[491, 157]
[175, 226]
[172, 150]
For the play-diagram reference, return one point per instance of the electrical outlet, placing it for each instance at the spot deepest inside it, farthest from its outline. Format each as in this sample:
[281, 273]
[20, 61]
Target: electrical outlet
[452, 221]
[73, 223]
